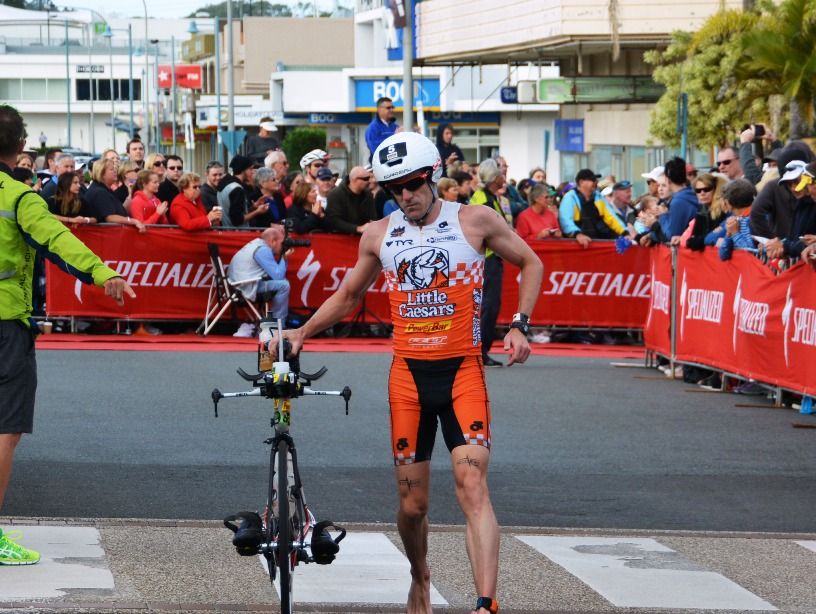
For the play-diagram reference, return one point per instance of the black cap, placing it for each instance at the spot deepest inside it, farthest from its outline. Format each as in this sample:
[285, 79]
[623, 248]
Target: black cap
[239, 164]
[586, 174]
[622, 185]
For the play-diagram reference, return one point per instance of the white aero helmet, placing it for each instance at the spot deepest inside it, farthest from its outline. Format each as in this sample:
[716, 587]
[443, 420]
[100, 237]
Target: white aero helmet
[404, 154]
[316, 155]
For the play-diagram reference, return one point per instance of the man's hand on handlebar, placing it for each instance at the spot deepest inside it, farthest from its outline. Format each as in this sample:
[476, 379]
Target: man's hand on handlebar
[295, 338]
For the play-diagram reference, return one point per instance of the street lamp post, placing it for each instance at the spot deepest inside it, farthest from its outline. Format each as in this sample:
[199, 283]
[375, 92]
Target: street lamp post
[218, 144]
[130, 76]
[145, 99]
[68, 81]
[109, 35]
[158, 118]
[173, 89]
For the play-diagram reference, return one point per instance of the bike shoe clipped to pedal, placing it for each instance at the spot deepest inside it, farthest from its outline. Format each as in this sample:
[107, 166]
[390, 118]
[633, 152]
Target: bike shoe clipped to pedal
[323, 546]
[248, 535]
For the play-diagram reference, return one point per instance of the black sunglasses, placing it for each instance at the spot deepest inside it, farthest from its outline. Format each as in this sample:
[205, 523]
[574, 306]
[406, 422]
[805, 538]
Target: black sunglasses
[412, 185]
[159, 163]
[725, 162]
[698, 190]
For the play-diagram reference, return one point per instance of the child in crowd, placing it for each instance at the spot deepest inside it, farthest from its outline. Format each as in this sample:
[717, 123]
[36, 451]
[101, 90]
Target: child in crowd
[735, 230]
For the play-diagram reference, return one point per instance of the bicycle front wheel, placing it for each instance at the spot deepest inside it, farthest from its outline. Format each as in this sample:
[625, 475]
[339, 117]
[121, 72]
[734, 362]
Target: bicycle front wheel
[285, 558]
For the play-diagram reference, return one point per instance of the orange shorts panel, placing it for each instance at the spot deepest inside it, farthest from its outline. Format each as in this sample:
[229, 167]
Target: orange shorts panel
[422, 393]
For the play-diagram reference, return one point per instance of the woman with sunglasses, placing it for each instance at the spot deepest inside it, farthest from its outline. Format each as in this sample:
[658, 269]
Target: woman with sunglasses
[188, 211]
[708, 188]
[155, 162]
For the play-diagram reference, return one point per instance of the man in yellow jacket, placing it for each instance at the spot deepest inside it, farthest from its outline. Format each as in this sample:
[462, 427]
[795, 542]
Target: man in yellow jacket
[584, 214]
[27, 228]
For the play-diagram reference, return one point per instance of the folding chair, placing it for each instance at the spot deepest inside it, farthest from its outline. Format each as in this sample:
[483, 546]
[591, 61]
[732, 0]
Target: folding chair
[225, 294]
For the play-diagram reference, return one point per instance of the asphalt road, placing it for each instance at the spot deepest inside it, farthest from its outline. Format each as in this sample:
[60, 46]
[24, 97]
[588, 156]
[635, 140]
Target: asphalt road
[577, 443]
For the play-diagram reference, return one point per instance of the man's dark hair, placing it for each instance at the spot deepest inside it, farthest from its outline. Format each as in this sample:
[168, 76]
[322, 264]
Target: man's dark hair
[214, 164]
[739, 193]
[676, 171]
[383, 99]
[52, 154]
[131, 142]
[12, 130]
[461, 177]
[169, 157]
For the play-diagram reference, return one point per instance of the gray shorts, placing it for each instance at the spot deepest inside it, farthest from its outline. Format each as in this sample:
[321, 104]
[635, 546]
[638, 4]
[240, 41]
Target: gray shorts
[18, 377]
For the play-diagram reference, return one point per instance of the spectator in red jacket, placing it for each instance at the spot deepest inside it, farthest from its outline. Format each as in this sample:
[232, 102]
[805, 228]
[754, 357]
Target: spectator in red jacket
[540, 219]
[145, 205]
[188, 211]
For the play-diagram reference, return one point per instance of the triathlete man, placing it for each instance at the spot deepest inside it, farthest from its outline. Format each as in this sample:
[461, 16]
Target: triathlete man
[432, 254]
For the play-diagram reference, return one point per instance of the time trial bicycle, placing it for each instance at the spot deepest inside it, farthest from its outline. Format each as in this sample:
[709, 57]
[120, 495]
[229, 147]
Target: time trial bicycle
[281, 532]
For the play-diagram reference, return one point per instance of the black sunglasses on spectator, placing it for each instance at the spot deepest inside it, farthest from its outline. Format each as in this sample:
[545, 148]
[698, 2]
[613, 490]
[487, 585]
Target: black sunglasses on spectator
[725, 162]
[159, 163]
[706, 190]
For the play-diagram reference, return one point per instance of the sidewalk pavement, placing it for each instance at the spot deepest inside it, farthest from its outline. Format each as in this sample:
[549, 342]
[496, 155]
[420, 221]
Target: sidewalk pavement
[107, 565]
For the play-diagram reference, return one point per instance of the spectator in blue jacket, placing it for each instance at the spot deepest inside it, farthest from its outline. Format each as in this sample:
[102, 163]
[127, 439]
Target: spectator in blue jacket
[382, 126]
[740, 194]
[584, 214]
[682, 208]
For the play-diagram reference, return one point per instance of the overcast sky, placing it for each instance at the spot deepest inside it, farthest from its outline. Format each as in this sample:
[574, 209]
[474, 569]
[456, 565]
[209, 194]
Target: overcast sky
[155, 8]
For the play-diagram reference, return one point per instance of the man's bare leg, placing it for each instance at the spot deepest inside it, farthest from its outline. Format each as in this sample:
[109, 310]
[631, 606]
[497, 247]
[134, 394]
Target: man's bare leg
[8, 441]
[482, 535]
[413, 482]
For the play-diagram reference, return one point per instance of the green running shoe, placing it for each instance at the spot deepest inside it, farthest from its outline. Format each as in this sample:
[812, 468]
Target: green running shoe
[12, 553]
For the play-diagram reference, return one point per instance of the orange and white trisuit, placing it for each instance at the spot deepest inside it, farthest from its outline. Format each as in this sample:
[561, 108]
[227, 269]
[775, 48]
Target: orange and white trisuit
[434, 279]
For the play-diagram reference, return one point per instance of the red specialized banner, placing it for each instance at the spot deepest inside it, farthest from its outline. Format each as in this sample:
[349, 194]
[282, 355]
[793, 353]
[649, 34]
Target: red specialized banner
[657, 329]
[593, 287]
[170, 271]
[739, 317]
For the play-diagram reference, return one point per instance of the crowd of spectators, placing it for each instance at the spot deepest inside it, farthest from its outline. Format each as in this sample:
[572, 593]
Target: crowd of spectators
[748, 200]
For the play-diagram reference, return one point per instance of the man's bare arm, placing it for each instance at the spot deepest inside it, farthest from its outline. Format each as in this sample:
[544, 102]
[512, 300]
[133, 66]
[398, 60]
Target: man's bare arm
[350, 292]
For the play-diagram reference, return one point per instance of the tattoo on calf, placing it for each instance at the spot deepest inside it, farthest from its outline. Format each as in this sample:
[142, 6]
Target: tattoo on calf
[468, 461]
[409, 483]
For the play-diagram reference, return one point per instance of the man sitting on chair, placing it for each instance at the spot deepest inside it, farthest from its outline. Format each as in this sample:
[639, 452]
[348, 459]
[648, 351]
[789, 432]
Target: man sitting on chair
[260, 267]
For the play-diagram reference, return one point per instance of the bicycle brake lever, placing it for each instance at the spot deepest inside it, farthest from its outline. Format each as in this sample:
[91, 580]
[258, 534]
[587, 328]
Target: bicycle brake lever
[216, 396]
[250, 378]
[314, 376]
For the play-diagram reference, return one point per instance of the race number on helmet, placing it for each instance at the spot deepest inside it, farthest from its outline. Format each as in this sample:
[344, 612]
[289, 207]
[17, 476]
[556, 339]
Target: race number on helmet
[404, 154]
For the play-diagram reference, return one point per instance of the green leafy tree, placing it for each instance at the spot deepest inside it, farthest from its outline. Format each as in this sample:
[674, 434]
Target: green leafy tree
[300, 141]
[246, 8]
[781, 51]
[702, 65]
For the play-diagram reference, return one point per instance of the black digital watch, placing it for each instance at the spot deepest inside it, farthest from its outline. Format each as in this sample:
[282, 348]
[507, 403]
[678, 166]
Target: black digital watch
[521, 321]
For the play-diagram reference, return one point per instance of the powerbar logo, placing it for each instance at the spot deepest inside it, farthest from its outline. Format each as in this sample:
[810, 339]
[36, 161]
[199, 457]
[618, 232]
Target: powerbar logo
[599, 284]
[430, 304]
[428, 327]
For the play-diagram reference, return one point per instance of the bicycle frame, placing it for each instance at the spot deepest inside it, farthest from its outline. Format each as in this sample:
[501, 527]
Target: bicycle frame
[280, 533]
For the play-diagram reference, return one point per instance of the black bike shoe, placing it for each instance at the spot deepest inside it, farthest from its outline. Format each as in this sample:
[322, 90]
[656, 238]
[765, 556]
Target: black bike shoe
[491, 362]
[249, 535]
[323, 546]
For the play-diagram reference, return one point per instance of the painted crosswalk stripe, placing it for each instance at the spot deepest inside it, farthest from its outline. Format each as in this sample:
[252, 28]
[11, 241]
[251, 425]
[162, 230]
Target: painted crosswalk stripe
[642, 573]
[369, 569]
[809, 544]
[71, 558]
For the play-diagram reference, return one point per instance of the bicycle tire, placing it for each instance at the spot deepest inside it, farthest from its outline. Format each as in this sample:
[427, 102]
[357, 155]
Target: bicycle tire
[284, 550]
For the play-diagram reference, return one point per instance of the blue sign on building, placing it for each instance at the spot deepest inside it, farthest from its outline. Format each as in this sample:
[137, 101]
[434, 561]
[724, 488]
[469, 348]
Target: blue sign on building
[395, 27]
[367, 91]
[569, 135]
[339, 118]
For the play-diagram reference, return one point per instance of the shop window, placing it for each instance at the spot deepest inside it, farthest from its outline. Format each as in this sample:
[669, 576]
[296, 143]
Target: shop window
[102, 89]
[57, 89]
[34, 89]
[10, 89]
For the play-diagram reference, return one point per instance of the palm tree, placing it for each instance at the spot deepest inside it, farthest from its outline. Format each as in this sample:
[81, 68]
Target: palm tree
[781, 49]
